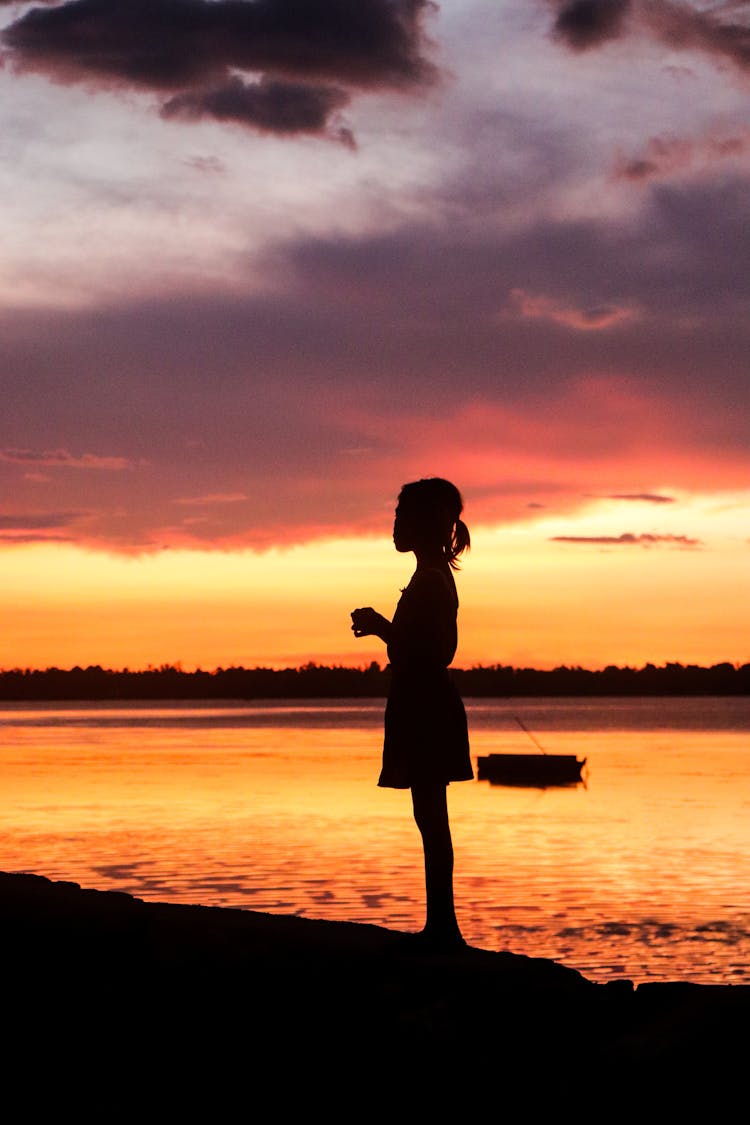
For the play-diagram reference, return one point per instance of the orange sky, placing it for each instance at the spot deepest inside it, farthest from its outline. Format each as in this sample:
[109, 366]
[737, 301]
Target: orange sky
[555, 590]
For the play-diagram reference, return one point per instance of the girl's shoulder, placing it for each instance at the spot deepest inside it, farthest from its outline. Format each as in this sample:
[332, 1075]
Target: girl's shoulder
[432, 583]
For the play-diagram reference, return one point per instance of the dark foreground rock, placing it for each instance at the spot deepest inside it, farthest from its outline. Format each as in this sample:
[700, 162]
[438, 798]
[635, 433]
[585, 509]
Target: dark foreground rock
[117, 1003]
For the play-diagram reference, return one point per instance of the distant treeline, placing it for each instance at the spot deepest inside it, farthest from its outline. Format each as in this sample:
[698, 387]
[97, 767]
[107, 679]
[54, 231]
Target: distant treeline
[316, 681]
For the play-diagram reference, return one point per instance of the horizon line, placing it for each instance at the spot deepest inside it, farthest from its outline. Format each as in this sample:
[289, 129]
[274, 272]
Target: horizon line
[373, 667]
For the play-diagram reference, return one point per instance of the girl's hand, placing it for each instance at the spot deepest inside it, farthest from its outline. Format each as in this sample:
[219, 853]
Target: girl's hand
[367, 622]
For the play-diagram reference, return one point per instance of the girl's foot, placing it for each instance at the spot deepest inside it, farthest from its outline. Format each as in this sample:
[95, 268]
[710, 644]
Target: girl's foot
[442, 941]
[434, 942]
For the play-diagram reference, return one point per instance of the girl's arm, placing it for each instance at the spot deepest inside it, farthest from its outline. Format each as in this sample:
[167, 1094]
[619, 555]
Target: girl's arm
[368, 623]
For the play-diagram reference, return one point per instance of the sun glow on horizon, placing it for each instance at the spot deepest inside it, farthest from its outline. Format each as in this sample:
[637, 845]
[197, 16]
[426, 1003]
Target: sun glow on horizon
[621, 581]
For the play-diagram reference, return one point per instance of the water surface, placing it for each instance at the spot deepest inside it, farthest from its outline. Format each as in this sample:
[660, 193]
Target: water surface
[641, 872]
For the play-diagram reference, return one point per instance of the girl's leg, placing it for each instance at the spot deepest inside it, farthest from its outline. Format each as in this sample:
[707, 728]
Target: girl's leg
[431, 814]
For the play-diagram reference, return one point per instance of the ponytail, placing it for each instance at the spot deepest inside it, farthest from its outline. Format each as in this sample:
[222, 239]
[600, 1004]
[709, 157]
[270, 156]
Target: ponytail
[460, 542]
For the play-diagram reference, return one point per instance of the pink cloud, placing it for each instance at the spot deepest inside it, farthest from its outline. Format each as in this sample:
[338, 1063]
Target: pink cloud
[593, 319]
[64, 459]
[213, 498]
[544, 451]
[37, 527]
[663, 156]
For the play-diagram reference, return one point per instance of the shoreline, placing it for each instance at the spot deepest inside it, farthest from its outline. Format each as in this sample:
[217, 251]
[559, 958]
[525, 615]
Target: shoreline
[115, 976]
[319, 681]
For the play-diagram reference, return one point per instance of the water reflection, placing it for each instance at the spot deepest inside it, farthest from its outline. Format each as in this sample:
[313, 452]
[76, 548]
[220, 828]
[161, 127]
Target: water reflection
[641, 874]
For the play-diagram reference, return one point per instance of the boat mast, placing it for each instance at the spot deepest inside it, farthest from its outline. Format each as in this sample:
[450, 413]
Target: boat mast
[536, 742]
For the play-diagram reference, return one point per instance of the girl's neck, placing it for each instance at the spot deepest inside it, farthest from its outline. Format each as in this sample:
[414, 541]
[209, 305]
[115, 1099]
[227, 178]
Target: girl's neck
[430, 558]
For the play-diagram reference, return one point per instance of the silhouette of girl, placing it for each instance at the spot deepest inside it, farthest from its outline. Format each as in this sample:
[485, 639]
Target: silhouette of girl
[426, 743]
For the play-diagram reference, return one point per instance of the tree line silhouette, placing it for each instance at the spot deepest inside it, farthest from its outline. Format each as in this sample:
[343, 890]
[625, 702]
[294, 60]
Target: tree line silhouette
[318, 681]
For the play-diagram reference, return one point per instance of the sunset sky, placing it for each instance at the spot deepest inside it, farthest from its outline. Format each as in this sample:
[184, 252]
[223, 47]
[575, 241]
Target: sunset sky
[264, 261]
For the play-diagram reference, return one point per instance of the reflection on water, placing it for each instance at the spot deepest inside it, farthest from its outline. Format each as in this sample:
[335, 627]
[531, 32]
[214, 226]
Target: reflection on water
[641, 873]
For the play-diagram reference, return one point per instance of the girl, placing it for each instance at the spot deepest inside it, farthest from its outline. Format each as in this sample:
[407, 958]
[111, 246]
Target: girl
[426, 742]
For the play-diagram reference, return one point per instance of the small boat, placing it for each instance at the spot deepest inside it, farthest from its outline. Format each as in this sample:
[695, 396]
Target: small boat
[532, 770]
[537, 770]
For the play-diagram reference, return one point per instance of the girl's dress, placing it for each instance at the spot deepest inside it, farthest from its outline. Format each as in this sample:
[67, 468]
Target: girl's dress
[426, 737]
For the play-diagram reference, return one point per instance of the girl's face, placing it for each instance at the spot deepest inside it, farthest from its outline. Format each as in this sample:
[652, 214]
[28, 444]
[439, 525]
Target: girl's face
[404, 536]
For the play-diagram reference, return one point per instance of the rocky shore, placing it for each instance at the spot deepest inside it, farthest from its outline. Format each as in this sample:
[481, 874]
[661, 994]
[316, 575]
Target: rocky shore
[118, 999]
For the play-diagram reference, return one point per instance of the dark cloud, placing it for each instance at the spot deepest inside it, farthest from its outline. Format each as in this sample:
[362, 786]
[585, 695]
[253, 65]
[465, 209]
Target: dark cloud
[167, 44]
[638, 169]
[13, 539]
[722, 30]
[270, 105]
[194, 48]
[647, 497]
[628, 539]
[682, 26]
[587, 23]
[37, 521]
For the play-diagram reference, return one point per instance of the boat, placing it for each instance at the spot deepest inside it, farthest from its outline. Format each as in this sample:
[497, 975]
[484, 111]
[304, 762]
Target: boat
[536, 770]
[539, 770]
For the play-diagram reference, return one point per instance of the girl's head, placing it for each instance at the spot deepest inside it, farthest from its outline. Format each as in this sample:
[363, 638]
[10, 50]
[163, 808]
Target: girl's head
[428, 518]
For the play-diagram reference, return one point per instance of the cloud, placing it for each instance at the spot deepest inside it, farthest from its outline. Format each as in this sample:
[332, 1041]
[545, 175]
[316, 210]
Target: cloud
[722, 30]
[665, 155]
[587, 23]
[37, 521]
[207, 164]
[170, 44]
[683, 27]
[309, 56]
[270, 106]
[628, 539]
[592, 319]
[642, 497]
[17, 540]
[213, 498]
[356, 361]
[61, 457]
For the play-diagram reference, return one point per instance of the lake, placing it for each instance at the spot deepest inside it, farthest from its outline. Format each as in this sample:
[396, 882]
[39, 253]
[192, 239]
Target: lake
[641, 872]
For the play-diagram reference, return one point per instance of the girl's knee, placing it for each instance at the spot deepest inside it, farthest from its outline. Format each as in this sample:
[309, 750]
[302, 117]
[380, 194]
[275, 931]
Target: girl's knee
[431, 811]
